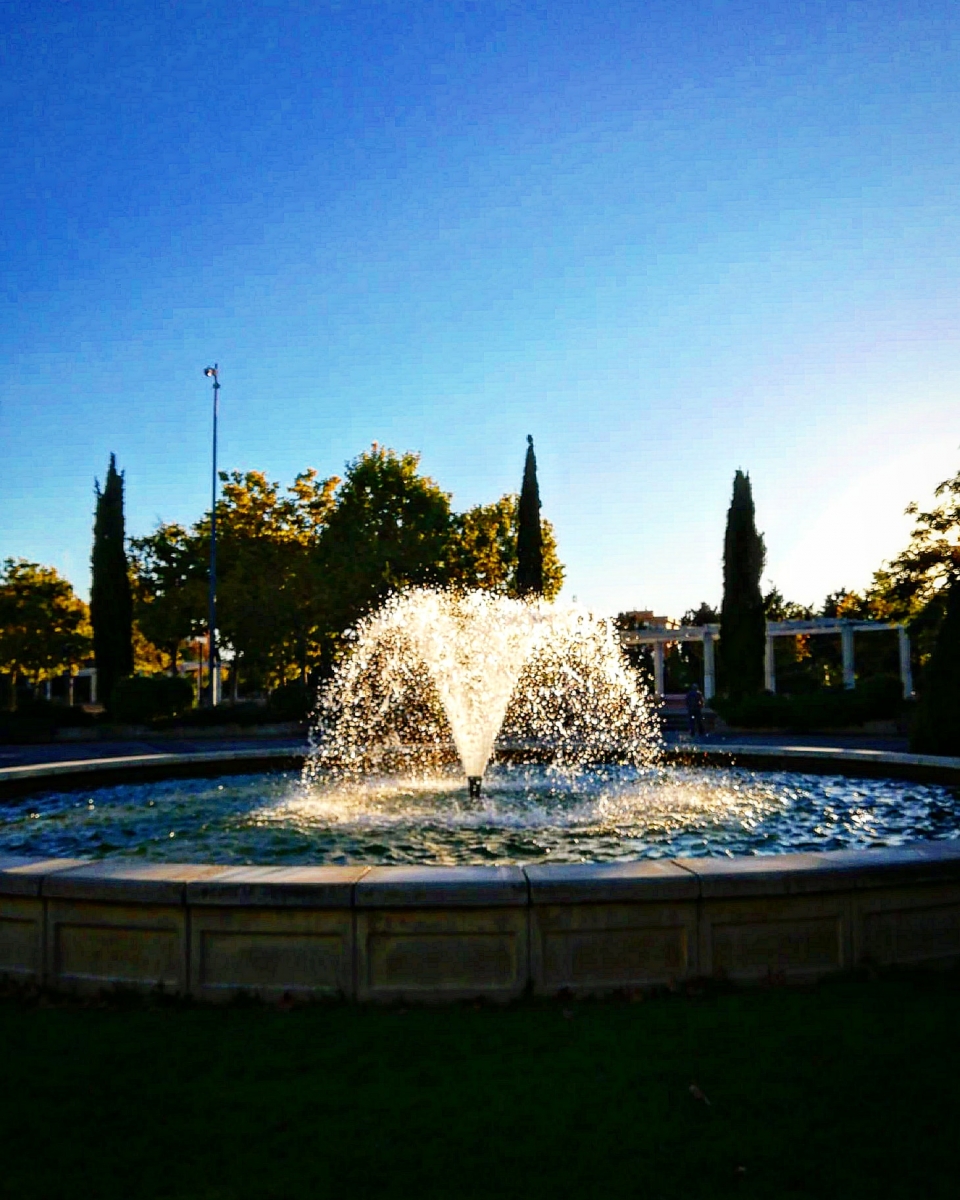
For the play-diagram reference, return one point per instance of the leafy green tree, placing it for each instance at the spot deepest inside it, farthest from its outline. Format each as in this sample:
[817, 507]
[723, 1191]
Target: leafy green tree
[298, 567]
[483, 550]
[937, 726]
[169, 587]
[914, 586]
[389, 528]
[703, 615]
[930, 563]
[529, 534]
[111, 600]
[270, 595]
[44, 627]
[742, 618]
[269, 598]
[777, 608]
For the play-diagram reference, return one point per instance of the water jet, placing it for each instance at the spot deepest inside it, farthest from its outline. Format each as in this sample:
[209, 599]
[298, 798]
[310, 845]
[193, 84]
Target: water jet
[439, 676]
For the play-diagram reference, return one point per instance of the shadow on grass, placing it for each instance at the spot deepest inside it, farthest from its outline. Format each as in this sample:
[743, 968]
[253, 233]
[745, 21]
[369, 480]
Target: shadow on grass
[842, 1089]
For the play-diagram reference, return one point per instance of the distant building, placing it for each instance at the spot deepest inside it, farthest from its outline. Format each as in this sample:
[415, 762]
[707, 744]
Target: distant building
[642, 618]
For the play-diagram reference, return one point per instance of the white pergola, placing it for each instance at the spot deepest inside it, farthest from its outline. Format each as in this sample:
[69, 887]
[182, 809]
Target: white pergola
[709, 635]
[660, 638]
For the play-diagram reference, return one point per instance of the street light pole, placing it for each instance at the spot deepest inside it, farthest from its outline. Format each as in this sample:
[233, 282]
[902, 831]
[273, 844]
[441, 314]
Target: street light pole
[213, 656]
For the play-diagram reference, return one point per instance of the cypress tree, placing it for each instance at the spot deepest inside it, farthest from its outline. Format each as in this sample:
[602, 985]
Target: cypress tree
[937, 726]
[111, 602]
[742, 619]
[529, 535]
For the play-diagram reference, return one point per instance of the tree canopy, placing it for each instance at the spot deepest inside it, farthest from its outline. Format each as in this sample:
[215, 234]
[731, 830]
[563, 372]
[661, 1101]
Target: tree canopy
[44, 627]
[268, 603]
[529, 534]
[169, 587]
[388, 528]
[937, 728]
[111, 600]
[742, 617]
[298, 566]
[483, 550]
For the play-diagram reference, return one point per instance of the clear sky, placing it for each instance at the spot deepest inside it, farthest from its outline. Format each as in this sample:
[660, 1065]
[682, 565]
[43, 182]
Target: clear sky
[667, 239]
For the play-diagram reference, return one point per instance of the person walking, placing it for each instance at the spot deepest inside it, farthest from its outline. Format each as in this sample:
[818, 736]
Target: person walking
[695, 710]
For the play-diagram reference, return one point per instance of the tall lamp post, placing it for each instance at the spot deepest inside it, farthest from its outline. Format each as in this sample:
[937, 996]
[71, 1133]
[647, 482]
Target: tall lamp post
[213, 656]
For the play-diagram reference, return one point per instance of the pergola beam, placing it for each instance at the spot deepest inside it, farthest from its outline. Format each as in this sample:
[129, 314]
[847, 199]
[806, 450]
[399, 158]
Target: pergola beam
[709, 634]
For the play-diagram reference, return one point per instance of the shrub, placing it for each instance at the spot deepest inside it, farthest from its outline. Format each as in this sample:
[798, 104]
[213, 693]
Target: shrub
[937, 726]
[142, 698]
[37, 720]
[292, 702]
[875, 699]
[247, 712]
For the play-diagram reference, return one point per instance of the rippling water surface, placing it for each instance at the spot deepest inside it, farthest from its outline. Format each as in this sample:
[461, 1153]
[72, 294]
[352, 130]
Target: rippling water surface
[525, 815]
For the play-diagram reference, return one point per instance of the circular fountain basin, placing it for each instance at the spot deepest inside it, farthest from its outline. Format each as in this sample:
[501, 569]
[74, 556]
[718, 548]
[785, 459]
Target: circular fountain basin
[684, 877]
[525, 815]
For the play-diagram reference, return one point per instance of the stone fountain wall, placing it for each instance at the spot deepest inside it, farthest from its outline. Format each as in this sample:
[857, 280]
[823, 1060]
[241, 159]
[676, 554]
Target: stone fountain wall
[441, 934]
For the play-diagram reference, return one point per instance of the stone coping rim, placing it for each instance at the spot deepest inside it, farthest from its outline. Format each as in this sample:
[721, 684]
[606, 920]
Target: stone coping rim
[363, 887]
[36, 773]
[120, 763]
[417, 886]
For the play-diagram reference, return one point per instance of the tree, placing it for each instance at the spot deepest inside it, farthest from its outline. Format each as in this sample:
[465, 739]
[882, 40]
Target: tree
[930, 564]
[299, 566]
[777, 608]
[914, 586]
[483, 550]
[269, 598]
[937, 726]
[389, 528]
[44, 627]
[169, 587]
[742, 618]
[529, 533]
[111, 600]
[704, 615]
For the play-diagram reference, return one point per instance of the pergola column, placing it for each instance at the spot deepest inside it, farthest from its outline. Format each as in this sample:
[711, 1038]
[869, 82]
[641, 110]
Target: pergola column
[709, 667]
[906, 674]
[846, 649]
[769, 666]
[658, 668]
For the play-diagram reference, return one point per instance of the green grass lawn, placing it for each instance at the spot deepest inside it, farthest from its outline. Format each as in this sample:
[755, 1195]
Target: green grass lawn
[848, 1089]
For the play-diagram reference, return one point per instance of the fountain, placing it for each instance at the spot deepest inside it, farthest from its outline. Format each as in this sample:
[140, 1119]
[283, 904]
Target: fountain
[434, 669]
[558, 740]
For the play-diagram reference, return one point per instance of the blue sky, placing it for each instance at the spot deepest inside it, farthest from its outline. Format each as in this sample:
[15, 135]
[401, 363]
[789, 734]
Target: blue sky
[668, 240]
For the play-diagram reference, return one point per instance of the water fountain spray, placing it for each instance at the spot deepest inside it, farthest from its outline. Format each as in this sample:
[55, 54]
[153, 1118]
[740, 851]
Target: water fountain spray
[433, 667]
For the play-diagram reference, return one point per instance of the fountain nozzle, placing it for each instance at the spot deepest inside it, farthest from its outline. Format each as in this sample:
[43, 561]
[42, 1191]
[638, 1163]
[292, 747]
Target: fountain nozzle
[474, 783]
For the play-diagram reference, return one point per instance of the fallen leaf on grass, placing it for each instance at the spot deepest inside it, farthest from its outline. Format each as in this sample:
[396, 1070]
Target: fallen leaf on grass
[696, 1093]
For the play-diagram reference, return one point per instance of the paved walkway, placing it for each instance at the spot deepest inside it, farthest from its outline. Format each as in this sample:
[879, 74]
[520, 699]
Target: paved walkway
[822, 741]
